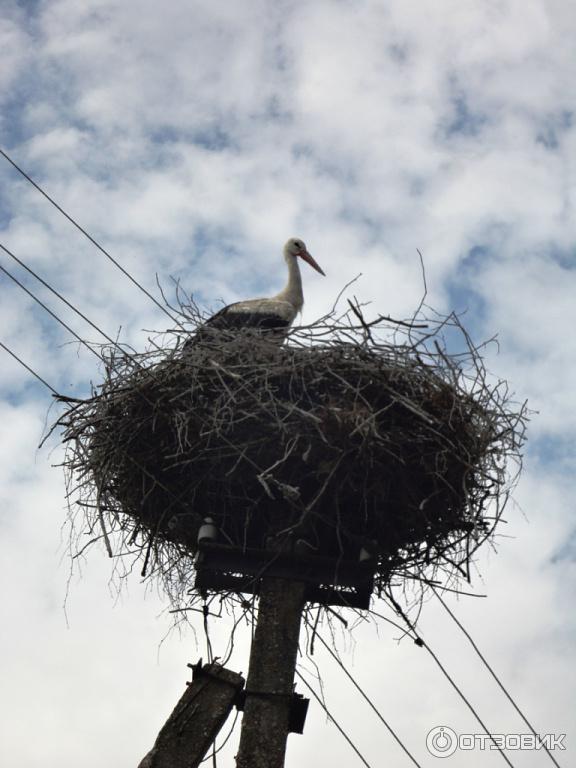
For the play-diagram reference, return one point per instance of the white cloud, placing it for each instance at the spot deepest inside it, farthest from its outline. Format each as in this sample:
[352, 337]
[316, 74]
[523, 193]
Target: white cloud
[192, 139]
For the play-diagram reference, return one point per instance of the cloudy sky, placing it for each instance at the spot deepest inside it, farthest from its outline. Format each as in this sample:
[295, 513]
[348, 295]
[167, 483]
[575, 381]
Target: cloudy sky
[191, 139]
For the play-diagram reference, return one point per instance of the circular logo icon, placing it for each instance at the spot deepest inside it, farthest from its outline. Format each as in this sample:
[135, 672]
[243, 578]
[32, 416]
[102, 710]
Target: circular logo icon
[441, 741]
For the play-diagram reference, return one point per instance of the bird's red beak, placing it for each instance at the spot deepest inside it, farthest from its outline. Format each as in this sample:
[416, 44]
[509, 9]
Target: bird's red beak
[306, 256]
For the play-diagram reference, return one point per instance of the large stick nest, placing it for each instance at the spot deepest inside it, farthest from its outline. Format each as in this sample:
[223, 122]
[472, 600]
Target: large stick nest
[350, 436]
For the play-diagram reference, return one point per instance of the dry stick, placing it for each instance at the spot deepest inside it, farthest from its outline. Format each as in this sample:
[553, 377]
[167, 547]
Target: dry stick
[138, 465]
[255, 405]
[175, 500]
[63, 299]
[68, 304]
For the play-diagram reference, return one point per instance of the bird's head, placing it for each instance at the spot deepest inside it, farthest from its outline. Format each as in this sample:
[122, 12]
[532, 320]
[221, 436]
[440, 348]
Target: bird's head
[296, 247]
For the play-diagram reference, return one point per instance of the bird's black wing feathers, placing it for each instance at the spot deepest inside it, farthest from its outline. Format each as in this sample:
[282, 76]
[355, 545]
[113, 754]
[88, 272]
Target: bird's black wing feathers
[230, 319]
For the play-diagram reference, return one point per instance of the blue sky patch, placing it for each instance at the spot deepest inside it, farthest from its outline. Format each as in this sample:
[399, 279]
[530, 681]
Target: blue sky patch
[553, 129]
[463, 119]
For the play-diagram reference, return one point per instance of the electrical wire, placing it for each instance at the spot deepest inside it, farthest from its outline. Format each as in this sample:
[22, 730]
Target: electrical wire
[92, 239]
[465, 700]
[72, 307]
[61, 297]
[365, 696]
[205, 612]
[83, 316]
[420, 642]
[175, 499]
[106, 336]
[68, 304]
[55, 316]
[30, 370]
[221, 746]
[494, 675]
[331, 717]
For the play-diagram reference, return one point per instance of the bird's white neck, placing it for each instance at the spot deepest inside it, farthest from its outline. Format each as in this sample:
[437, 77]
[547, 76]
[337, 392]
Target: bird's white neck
[292, 292]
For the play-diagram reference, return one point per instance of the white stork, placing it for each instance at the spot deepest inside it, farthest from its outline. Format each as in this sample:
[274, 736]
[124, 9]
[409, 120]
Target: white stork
[276, 313]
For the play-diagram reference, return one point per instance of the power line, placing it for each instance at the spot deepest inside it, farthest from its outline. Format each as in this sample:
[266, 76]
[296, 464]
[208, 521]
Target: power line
[84, 317]
[60, 296]
[218, 749]
[465, 700]
[494, 675]
[53, 314]
[73, 308]
[138, 465]
[89, 236]
[68, 304]
[331, 717]
[175, 499]
[420, 641]
[70, 330]
[30, 370]
[365, 696]
[37, 376]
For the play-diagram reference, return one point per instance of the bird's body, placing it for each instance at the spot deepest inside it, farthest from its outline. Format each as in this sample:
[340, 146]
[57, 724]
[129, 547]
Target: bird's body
[275, 314]
[254, 313]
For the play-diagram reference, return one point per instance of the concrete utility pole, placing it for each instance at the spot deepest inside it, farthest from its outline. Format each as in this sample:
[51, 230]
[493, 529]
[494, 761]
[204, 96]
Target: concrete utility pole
[270, 685]
[196, 720]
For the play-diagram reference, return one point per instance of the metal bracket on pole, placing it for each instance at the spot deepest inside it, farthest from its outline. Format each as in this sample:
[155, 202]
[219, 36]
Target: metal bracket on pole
[298, 707]
[328, 581]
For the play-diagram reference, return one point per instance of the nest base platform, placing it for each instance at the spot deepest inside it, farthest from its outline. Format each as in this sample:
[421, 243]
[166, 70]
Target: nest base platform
[344, 583]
